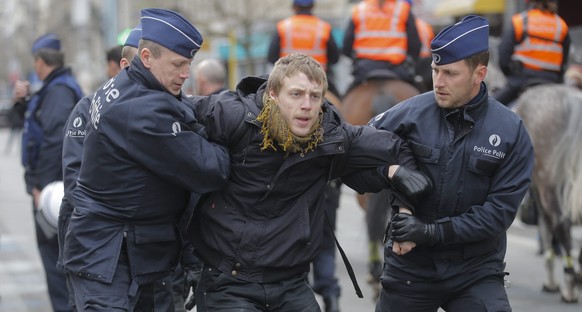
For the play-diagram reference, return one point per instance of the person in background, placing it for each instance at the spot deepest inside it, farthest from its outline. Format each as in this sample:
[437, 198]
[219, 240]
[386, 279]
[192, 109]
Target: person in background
[210, 77]
[42, 145]
[305, 33]
[534, 49]
[141, 132]
[113, 61]
[448, 250]
[258, 236]
[382, 34]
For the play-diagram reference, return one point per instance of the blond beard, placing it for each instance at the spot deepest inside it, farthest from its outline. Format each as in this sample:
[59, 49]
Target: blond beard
[275, 130]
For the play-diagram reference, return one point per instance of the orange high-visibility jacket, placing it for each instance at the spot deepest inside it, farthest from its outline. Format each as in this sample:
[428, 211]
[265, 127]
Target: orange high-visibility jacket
[540, 39]
[380, 34]
[426, 34]
[305, 34]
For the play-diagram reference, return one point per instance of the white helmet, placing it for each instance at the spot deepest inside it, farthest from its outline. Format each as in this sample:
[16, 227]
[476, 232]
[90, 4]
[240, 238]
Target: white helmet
[49, 203]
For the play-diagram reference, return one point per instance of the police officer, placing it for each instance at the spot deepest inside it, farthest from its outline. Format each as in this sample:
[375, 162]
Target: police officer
[130, 46]
[305, 33]
[381, 34]
[448, 250]
[42, 141]
[258, 235]
[74, 135]
[143, 155]
[534, 49]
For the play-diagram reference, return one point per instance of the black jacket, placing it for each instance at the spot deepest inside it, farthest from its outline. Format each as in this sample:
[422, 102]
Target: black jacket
[267, 223]
[141, 160]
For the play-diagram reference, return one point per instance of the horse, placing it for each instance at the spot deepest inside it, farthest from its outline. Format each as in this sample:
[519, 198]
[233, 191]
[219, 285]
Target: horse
[379, 91]
[552, 114]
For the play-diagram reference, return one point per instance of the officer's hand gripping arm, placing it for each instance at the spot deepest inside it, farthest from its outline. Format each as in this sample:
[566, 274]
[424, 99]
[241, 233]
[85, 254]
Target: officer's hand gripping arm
[413, 184]
[406, 227]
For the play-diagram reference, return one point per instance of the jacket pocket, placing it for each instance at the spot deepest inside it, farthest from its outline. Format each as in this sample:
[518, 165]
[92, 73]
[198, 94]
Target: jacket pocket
[482, 166]
[425, 153]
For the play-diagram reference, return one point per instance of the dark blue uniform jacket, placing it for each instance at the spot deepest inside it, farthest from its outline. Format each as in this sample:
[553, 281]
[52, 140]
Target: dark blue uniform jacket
[141, 160]
[480, 160]
[267, 223]
[42, 138]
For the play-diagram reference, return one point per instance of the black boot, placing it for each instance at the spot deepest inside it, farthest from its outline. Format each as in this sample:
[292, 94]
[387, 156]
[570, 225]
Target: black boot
[331, 304]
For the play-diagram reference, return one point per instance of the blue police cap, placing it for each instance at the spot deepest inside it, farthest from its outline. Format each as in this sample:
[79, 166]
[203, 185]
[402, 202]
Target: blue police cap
[47, 41]
[133, 37]
[170, 30]
[303, 2]
[461, 40]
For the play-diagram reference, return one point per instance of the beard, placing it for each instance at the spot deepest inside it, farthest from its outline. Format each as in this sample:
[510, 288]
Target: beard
[276, 131]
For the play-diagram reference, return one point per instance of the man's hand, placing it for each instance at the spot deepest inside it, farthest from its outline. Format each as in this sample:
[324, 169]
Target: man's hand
[411, 183]
[402, 248]
[191, 278]
[20, 90]
[406, 227]
[35, 197]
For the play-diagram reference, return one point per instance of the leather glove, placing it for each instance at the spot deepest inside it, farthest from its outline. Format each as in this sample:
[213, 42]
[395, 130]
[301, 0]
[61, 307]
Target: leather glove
[191, 279]
[406, 227]
[413, 184]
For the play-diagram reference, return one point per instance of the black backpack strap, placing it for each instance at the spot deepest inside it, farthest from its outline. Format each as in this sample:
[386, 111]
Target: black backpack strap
[345, 259]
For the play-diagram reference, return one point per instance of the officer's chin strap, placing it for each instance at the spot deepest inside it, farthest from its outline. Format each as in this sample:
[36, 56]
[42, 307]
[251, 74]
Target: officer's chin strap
[345, 259]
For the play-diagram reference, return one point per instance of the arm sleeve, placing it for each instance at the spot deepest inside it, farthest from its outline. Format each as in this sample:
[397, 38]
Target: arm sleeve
[333, 52]
[274, 48]
[74, 135]
[506, 47]
[165, 143]
[347, 47]
[566, 53]
[414, 44]
[57, 104]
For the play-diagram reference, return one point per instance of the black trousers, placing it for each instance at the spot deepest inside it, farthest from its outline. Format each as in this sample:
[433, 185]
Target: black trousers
[454, 295]
[218, 291]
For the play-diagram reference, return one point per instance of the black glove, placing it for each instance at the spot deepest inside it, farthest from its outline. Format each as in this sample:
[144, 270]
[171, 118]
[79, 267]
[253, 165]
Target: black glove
[191, 279]
[411, 183]
[406, 227]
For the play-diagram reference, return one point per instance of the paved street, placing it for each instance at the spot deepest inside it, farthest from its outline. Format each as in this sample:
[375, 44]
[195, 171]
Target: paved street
[22, 282]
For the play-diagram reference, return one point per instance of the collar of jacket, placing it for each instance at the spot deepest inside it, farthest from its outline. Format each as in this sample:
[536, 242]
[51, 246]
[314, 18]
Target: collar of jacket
[474, 108]
[59, 71]
[144, 76]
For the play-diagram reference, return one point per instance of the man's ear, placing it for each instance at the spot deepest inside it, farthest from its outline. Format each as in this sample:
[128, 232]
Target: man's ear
[480, 74]
[146, 57]
[123, 63]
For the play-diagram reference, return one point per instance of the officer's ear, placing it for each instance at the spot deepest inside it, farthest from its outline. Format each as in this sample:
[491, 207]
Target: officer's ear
[146, 57]
[479, 74]
[123, 63]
